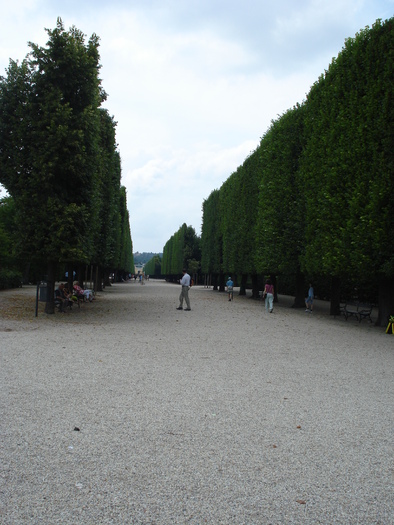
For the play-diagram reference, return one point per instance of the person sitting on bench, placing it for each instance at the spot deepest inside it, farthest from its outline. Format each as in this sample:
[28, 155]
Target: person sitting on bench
[61, 298]
[80, 292]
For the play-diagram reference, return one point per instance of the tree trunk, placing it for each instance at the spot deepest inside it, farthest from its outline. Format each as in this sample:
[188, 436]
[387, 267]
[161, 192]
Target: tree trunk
[335, 304]
[98, 285]
[91, 284]
[299, 299]
[255, 286]
[26, 274]
[50, 302]
[215, 281]
[386, 301]
[242, 288]
[222, 284]
[81, 274]
[107, 282]
[274, 281]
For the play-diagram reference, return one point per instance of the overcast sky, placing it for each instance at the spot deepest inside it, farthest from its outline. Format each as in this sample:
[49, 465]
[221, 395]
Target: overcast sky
[193, 84]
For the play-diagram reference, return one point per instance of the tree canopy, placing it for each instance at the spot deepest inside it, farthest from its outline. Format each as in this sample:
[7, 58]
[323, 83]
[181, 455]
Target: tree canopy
[182, 250]
[58, 157]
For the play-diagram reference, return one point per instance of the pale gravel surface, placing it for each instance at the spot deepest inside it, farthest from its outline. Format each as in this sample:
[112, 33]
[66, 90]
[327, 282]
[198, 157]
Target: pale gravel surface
[222, 415]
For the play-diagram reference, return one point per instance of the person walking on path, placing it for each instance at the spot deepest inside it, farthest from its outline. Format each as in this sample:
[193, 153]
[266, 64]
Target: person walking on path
[309, 299]
[269, 296]
[230, 289]
[184, 295]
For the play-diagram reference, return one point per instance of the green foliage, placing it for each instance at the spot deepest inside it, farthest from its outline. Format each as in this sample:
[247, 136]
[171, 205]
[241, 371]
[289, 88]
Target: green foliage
[153, 266]
[281, 208]
[230, 212]
[144, 257]
[317, 194]
[347, 164]
[7, 238]
[126, 259]
[110, 200]
[182, 250]
[15, 128]
[239, 204]
[52, 174]
[211, 235]
[58, 157]
[10, 279]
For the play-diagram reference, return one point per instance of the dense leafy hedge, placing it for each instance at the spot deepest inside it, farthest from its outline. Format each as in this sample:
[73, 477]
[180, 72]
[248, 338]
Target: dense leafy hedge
[10, 279]
[315, 199]
[59, 160]
[182, 250]
[153, 267]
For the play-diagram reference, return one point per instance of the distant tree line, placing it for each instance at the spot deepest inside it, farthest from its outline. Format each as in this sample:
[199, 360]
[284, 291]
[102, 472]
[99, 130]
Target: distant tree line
[144, 257]
[182, 250]
[315, 200]
[60, 165]
[153, 267]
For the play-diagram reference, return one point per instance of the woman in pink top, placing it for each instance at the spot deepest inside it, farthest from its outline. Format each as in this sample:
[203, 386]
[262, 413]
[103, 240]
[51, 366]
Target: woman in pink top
[269, 296]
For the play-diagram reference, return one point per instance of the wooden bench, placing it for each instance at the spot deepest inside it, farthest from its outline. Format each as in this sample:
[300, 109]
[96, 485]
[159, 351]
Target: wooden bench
[359, 310]
[60, 307]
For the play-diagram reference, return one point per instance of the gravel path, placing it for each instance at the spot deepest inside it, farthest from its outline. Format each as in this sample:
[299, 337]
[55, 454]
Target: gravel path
[128, 411]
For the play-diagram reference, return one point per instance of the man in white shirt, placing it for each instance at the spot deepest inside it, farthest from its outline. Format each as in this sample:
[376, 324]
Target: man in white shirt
[184, 295]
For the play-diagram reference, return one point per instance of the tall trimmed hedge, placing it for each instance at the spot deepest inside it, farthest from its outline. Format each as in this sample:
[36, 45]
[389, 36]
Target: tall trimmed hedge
[182, 250]
[315, 200]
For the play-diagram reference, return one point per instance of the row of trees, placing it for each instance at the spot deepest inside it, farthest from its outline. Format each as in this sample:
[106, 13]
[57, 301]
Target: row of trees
[153, 267]
[182, 250]
[59, 160]
[315, 200]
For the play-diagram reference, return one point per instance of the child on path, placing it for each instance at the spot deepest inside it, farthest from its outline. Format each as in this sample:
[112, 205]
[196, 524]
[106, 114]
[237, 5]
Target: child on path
[309, 299]
[230, 289]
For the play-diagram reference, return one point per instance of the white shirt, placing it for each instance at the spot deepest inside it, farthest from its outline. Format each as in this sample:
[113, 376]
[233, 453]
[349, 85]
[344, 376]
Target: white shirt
[185, 281]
